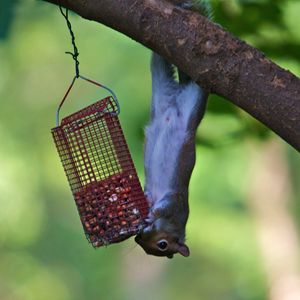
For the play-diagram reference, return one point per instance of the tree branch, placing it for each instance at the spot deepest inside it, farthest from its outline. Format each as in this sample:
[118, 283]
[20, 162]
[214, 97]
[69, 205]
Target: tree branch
[211, 56]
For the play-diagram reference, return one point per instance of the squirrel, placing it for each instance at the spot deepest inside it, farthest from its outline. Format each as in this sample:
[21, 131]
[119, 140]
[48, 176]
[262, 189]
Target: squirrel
[169, 155]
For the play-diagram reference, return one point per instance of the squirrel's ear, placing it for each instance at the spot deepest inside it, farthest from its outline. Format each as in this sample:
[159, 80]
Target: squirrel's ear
[183, 250]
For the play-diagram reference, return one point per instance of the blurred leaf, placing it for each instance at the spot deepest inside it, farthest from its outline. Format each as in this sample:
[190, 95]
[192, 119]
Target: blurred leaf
[219, 105]
[7, 8]
[245, 16]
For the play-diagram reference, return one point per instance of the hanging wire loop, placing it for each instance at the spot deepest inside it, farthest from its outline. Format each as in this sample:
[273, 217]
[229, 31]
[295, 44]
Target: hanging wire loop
[77, 75]
[116, 113]
[76, 53]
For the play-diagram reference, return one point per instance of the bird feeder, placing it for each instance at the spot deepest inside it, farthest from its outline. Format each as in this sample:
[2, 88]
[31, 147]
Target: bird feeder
[100, 171]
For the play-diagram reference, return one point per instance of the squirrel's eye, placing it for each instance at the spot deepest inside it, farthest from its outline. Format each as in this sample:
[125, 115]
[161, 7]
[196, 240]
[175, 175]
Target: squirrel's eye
[162, 245]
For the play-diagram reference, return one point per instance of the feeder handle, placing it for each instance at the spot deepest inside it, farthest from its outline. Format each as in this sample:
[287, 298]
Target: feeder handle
[91, 81]
[109, 90]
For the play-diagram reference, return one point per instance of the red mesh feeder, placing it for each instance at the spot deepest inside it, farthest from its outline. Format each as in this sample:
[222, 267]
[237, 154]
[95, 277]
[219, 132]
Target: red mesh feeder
[100, 171]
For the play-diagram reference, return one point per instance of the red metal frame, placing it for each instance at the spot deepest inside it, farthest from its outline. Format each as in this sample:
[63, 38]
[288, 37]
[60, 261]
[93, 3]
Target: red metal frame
[101, 173]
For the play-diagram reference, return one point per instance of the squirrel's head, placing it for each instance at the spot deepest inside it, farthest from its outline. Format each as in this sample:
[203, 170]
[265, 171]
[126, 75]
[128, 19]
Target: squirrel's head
[161, 243]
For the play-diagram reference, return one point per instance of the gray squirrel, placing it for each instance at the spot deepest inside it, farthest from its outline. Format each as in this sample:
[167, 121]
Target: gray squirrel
[169, 158]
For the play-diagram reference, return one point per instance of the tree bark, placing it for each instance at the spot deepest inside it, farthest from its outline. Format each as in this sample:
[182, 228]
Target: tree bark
[216, 60]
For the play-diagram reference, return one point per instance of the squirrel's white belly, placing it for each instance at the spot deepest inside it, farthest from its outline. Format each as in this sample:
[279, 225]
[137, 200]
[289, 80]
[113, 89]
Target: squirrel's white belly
[171, 135]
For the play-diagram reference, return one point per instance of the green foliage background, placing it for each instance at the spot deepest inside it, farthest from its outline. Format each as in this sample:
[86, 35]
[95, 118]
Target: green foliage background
[43, 251]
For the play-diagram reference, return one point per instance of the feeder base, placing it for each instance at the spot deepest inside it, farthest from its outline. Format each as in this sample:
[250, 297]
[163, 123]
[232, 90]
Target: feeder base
[107, 210]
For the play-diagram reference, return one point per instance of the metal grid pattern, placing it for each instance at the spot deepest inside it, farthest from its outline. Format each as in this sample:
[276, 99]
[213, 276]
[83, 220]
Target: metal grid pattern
[101, 173]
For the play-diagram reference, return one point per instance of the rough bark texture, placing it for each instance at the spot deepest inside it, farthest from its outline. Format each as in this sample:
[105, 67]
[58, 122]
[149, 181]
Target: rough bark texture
[211, 56]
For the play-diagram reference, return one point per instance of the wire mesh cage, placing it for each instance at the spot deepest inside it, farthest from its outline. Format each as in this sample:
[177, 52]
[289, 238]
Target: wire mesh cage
[101, 173]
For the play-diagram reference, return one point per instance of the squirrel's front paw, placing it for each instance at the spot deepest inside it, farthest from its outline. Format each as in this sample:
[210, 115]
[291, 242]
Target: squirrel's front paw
[148, 228]
[148, 197]
[151, 217]
[162, 208]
